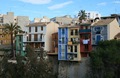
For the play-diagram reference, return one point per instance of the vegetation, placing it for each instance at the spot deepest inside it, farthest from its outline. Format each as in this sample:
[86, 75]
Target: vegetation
[105, 60]
[12, 29]
[29, 66]
[82, 15]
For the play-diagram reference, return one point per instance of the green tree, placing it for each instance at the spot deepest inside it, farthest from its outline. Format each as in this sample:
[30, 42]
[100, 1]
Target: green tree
[12, 29]
[29, 66]
[82, 15]
[105, 60]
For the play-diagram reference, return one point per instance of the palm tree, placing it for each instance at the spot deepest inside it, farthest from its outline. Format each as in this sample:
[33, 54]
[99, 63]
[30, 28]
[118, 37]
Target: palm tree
[12, 29]
[82, 15]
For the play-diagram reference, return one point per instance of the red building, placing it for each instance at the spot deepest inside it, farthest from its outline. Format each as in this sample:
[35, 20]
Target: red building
[85, 39]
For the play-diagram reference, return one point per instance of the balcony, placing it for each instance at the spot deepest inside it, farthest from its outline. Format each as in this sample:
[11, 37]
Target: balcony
[85, 30]
[69, 42]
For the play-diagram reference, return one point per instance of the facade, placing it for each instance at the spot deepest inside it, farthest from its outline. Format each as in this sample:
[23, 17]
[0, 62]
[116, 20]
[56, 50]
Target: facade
[92, 14]
[54, 44]
[20, 46]
[85, 39]
[9, 17]
[117, 16]
[62, 20]
[40, 35]
[104, 29]
[44, 19]
[68, 43]
[22, 21]
[4, 39]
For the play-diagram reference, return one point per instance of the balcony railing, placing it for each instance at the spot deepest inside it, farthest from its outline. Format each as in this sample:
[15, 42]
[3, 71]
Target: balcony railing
[85, 30]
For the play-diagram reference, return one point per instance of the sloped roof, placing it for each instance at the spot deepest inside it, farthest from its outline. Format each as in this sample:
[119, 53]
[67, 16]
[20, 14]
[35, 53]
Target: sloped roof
[69, 26]
[103, 22]
[117, 35]
[39, 24]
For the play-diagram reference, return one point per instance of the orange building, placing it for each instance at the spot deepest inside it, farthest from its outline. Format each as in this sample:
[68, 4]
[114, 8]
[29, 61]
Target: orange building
[4, 39]
[54, 44]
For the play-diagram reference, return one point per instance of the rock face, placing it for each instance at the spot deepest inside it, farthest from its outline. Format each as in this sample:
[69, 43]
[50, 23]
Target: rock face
[73, 69]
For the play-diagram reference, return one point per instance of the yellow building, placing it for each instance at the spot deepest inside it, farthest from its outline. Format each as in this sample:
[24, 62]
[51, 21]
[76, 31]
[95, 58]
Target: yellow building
[4, 39]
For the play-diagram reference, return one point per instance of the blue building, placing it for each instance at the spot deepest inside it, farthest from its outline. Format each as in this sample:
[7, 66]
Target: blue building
[68, 43]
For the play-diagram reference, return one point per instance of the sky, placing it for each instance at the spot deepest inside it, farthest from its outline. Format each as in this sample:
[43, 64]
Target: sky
[54, 8]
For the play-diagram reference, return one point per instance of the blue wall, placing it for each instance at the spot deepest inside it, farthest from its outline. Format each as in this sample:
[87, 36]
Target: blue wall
[62, 43]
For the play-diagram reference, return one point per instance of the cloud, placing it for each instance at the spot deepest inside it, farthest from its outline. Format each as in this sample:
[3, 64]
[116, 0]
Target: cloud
[102, 4]
[37, 1]
[116, 2]
[58, 6]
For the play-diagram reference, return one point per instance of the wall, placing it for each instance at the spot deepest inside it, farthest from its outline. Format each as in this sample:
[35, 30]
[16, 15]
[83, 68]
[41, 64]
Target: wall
[8, 18]
[113, 29]
[73, 69]
[50, 29]
[22, 21]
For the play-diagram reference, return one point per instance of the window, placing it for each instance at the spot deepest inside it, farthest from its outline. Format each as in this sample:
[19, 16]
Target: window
[71, 32]
[76, 32]
[98, 30]
[41, 28]
[75, 55]
[35, 37]
[41, 37]
[62, 39]
[75, 48]
[35, 29]
[20, 39]
[29, 37]
[86, 47]
[63, 32]
[72, 39]
[29, 29]
[71, 49]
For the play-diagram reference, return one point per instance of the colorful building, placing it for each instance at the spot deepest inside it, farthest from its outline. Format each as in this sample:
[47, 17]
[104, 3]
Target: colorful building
[20, 45]
[85, 39]
[54, 44]
[4, 39]
[40, 35]
[104, 29]
[68, 43]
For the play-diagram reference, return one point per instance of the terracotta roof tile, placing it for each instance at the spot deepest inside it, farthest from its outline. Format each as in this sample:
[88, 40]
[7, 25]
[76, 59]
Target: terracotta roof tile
[103, 22]
[39, 24]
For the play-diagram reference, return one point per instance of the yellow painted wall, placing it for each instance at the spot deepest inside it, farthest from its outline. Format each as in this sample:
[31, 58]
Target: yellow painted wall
[113, 29]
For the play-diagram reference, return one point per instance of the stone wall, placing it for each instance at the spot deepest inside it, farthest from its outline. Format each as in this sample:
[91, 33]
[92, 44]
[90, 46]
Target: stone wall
[73, 69]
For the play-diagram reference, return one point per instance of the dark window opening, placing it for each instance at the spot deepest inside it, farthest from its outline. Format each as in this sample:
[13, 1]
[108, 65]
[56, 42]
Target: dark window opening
[41, 28]
[35, 37]
[63, 32]
[29, 37]
[71, 49]
[35, 29]
[86, 47]
[76, 32]
[29, 29]
[40, 37]
[71, 32]
[75, 48]
[75, 55]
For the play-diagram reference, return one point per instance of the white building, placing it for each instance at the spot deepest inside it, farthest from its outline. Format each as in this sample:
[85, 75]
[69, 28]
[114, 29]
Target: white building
[10, 18]
[40, 34]
[92, 14]
[44, 19]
